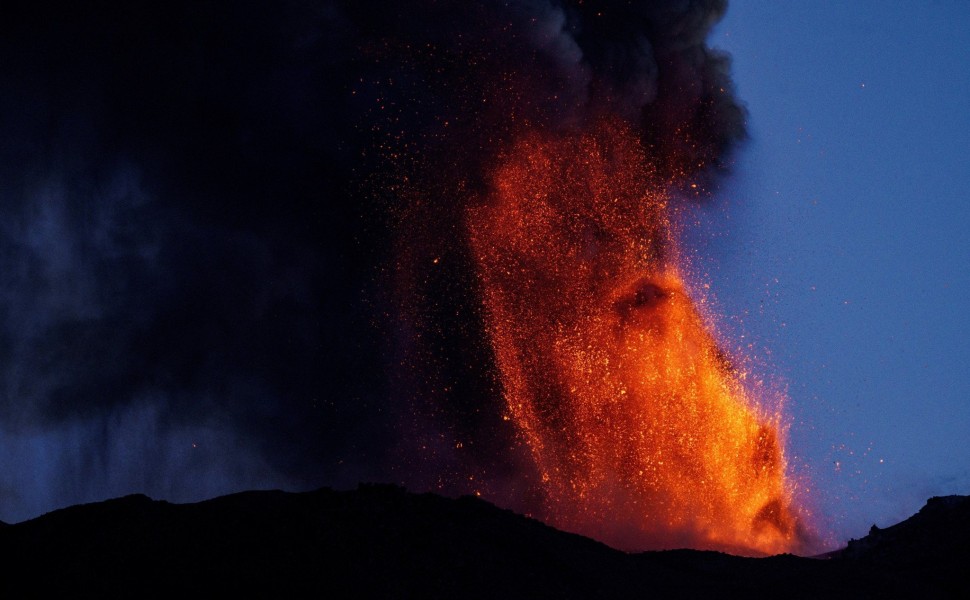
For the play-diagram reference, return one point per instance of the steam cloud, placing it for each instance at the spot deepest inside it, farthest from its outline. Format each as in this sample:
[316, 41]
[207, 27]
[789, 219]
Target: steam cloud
[217, 222]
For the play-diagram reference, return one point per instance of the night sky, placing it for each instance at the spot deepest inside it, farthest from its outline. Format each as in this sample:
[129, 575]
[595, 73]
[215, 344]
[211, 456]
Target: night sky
[839, 245]
[212, 277]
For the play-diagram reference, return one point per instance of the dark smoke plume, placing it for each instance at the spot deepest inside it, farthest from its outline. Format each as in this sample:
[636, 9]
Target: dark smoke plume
[230, 250]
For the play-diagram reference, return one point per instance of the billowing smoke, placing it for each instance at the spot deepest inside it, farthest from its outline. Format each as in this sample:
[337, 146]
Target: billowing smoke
[231, 243]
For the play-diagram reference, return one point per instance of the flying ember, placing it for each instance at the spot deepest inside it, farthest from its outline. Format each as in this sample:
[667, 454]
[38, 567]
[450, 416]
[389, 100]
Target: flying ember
[639, 427]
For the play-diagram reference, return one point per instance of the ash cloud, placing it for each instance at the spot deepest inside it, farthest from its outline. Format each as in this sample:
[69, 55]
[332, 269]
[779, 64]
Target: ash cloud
[205, 230]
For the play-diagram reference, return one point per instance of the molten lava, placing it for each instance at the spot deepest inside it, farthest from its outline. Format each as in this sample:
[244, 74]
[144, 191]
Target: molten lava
[641, 431]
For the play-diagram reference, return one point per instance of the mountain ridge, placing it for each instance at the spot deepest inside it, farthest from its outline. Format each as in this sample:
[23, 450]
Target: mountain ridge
[383, 541]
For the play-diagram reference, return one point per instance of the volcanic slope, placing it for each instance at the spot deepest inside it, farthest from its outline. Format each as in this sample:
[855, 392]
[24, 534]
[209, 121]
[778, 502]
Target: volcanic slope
[382, 541]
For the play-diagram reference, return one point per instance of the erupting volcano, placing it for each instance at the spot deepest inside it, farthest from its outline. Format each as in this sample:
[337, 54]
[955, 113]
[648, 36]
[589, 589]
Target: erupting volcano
[428, 243]
[641, 430]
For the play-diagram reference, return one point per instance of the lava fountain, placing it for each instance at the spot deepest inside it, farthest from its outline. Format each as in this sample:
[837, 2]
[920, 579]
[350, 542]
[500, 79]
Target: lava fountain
[642, 433]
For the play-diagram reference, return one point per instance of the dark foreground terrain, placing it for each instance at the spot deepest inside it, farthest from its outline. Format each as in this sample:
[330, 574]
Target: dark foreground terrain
[381, 541]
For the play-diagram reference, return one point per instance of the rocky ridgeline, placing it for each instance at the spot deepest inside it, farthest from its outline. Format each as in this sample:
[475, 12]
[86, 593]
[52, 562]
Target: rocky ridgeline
[380, 541]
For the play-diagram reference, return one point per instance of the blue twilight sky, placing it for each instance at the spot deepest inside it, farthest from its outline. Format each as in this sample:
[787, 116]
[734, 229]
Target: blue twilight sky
[840, 246]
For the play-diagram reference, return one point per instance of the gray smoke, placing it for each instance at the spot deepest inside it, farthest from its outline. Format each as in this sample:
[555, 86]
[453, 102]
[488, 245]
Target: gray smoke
[211, 273]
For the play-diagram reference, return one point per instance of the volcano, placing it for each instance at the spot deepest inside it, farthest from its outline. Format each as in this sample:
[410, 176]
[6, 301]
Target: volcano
[322, 242]
[381, 541]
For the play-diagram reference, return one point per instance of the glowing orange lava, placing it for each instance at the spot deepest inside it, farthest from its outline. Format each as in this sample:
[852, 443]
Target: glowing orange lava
[641, 431]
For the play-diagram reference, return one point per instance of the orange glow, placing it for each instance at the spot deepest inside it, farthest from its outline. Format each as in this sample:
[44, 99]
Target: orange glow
[641, 431]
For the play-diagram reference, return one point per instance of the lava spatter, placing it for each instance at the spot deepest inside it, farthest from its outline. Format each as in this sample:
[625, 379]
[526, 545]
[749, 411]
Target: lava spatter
[642, 433]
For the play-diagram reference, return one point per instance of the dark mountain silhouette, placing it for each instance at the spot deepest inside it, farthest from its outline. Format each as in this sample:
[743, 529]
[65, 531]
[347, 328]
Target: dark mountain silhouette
[381, 541]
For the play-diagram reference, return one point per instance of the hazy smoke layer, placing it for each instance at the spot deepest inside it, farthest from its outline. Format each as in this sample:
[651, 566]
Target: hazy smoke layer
[218, 220]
